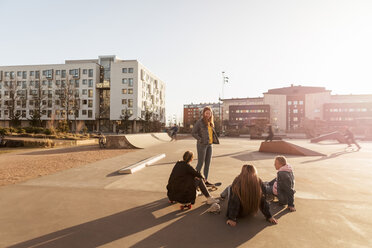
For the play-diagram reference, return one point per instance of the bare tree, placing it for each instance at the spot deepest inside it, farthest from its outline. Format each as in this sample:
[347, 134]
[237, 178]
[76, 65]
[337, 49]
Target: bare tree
[39, 97]
[68, 96]
[13, 94]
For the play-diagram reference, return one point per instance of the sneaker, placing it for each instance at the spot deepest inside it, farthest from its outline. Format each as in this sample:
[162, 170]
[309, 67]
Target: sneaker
[215, 208]
[211, 200]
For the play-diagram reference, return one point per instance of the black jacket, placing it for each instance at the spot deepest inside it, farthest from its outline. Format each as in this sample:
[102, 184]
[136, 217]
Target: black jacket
[285, 188]
[234, 208]
[181, 184]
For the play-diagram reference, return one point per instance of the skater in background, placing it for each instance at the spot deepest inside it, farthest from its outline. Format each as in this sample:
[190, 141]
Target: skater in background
[246, 196]
[283, 185]
[184, 180]
[203, 131]
[174, 131]
[271, 134]
[349, 136]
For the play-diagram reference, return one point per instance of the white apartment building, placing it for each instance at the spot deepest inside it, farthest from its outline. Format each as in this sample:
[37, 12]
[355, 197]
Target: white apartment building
[97, 93]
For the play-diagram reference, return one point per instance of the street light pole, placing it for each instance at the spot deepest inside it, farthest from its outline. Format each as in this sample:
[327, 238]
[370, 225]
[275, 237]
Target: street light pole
[225, 79]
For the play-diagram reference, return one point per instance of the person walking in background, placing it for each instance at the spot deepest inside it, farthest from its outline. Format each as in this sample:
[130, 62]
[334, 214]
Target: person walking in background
[205, 134]
[271, 134]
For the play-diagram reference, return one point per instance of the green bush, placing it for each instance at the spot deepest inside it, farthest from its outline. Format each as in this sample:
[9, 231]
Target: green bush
[21, 131]
[47, 131]
[3, 131]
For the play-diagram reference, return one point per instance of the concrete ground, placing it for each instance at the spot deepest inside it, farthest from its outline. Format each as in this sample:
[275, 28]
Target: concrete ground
[92, 206]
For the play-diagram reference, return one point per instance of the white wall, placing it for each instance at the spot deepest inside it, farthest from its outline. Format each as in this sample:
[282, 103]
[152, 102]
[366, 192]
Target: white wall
[278, 110]
[314, 104]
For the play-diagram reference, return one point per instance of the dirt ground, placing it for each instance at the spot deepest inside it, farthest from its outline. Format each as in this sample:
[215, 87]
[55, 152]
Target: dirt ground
[19, 165]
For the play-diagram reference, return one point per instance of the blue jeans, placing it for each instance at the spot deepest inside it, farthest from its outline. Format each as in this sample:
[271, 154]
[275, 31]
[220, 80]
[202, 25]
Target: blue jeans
[204, 155]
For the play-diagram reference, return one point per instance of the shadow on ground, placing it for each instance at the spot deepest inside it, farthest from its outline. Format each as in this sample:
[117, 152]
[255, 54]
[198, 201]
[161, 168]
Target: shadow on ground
[187, 229]
[330, 156]
[67, 150]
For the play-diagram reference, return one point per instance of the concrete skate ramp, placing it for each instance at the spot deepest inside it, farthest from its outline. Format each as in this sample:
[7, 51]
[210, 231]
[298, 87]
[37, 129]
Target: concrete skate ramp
[330, 136]
[283, 147]
[133, 141]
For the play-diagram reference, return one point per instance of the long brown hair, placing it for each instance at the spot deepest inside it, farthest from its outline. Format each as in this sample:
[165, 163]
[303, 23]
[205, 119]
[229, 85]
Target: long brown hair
[247, 187]
[211, 119]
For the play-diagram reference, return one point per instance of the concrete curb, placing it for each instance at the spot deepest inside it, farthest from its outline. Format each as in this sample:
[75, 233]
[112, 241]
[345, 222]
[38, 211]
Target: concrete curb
[140, 165]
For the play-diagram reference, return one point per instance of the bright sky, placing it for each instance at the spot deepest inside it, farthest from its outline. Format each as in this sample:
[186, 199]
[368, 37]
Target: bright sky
[260, 44]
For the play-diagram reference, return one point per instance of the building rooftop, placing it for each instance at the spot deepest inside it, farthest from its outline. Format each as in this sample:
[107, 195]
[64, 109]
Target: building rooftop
[294, 90]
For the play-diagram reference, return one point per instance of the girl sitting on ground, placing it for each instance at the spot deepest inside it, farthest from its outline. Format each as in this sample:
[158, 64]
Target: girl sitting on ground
[184, 180]
[283, 185]
[245, 196]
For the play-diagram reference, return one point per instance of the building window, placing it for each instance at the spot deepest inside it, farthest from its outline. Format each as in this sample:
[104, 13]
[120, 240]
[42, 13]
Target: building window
[84, 112]
[130, 82]
[295, 119]
[63, 73]
[124, 80]
[130, 70]
[123, 101]
[74, 73]
[130, 111]
[24, 75]
[90, 103]
[90, 83]
[130, 102]
[90, 93]
[85, 71]
[90, 113]
[289, 102]
[84, 82]
[301, 102]
[19, 73]
[124, 91]
[295, 111]
[124, 70]
[84, 92]
[77, 83]
[294, 102]
[85, 102]
[130, 91]
[32, 73]
[58, 72]
[90, 73]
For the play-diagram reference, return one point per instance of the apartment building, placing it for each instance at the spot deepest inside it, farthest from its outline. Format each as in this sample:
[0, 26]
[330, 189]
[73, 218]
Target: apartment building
[192, 112]
[288, 108]
[96, 93]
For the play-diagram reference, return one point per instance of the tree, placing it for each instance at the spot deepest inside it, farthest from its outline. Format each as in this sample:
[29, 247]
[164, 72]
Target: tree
[69, 98]
[38, 93]
[125, 122]
[14, 95]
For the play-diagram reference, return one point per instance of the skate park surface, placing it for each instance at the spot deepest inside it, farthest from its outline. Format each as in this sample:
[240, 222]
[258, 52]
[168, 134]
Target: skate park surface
[93, 206]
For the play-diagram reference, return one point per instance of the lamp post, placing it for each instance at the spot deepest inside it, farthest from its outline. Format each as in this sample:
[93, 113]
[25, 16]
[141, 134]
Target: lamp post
[225, 79]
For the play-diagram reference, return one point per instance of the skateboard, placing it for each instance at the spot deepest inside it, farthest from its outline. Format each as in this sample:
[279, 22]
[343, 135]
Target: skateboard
[213, 186]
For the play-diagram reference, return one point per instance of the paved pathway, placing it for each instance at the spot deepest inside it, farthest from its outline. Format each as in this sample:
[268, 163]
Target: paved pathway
[91, 206]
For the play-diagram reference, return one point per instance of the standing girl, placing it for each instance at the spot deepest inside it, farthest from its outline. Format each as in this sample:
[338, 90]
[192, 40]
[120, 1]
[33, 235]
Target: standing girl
[205, 135]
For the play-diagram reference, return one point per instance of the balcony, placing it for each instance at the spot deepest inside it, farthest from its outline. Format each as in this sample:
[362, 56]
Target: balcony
[104, 85]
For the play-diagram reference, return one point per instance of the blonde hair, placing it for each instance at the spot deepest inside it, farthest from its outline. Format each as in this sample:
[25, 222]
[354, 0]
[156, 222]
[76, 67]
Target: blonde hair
[209, 121]
[281, 159]
[188, 156]
[247, 186]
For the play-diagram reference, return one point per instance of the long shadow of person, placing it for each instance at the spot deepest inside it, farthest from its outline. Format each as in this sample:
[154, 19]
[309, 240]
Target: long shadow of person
[201, 229]
[187, 228]
[107, 229]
